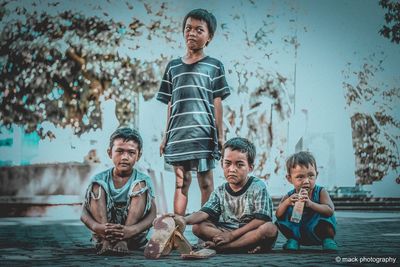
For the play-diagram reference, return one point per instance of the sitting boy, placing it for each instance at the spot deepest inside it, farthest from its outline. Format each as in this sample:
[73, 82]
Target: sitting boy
[119, 206]
[238, 216]
[318, 224]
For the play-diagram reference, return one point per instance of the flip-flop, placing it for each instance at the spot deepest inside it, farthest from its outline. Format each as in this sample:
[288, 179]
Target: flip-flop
[181, 243]
[199, 254]
[164, 228]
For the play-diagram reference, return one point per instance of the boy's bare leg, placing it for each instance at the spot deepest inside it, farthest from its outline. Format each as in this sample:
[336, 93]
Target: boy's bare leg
[182, 183]
[135, 212]
[98, 209]
[286, 231]
[324, 230]
[206, 184]
[252, 238]
[205, 230]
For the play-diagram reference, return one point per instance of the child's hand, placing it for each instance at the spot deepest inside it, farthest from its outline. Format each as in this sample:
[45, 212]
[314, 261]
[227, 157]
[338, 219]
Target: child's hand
[293, 199]
[303, 195]
[179, 220]
[162, 146]
[221, 142]
[223, 238]
[100, 229]
[117, 232]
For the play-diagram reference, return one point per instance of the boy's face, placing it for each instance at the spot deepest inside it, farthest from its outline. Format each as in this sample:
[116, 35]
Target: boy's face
[124, 155]
[196, 34]
[302, 177]
[236, 167]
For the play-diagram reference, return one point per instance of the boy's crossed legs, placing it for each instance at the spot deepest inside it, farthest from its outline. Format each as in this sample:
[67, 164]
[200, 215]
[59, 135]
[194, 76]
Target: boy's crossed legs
[114, 236]
[261, 239]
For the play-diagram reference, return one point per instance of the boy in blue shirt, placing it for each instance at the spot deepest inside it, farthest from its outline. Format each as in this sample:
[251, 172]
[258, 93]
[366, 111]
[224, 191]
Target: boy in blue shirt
[119, 207]
[193, 87]
[318, 224]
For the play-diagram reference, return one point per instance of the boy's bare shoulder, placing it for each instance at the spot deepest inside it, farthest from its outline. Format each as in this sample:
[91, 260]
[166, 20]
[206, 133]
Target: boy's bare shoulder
[102, 174]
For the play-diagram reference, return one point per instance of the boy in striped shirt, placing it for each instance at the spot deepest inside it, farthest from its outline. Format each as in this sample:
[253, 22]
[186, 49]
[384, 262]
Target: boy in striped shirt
[238, 217]
[193, 87]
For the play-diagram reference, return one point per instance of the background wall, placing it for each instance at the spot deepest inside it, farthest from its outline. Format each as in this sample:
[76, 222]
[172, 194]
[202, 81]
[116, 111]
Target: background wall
[300, 72]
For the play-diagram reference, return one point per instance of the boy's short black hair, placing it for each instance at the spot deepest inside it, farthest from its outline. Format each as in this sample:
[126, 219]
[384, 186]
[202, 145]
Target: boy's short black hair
[127, 134]
[302, 158]
[204, 15]
[243, 145]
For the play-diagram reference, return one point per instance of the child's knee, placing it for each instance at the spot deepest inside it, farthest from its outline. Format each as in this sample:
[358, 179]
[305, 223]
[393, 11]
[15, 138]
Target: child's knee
[196, 229]
[206, 185]
[182, 184]
[268, 230]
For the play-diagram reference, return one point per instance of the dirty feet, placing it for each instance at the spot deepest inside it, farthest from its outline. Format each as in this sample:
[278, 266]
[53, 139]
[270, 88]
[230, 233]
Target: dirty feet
[106, 248]
[121, 248]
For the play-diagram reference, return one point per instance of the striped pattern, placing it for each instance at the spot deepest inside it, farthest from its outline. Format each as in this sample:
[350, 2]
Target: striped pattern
[235, 209]
[191, 89]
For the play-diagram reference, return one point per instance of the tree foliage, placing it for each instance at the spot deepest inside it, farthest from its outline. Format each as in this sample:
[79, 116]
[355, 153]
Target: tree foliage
[392, 18]
[56, 68]
[375, 126]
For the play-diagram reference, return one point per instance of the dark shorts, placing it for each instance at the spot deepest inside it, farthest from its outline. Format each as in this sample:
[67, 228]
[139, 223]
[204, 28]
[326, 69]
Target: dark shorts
[198, 165]
[304, 232]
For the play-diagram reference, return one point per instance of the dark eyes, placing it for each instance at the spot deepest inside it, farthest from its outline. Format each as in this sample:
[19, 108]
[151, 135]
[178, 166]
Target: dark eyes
[129, 152]
[199, 30]
[310, 177]
[229, 163]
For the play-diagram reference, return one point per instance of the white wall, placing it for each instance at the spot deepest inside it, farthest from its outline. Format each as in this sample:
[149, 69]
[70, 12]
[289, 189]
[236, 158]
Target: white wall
[330, 34]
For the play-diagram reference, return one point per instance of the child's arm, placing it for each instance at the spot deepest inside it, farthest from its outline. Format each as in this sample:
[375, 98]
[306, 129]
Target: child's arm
[218, 120]
[326, 208]
[117, 232]
[285, 203]
[146, 221]
[91, 223]
[194, 218]
[164, 140]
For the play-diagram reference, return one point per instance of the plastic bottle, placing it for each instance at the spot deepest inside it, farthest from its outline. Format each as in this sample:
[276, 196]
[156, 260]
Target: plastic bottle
[297, 210]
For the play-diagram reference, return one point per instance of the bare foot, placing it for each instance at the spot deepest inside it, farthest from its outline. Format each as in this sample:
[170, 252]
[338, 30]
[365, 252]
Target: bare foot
[106, 248]
[209, 244]
[121, 247]
[254, 250]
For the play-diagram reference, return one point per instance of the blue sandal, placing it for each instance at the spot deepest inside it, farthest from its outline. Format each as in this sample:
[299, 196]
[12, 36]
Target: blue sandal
[291, 244]
[329, 244]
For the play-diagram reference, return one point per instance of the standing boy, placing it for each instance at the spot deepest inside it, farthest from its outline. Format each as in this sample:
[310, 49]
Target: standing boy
[119, 206]
[238, 216]
[318, 224]
[193, 87]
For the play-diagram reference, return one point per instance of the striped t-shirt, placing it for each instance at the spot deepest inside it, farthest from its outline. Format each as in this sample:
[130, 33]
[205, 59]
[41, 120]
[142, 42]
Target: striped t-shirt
[235, 209]
[191, 89]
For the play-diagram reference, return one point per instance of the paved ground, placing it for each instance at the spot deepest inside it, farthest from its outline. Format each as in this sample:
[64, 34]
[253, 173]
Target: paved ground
[364, 238]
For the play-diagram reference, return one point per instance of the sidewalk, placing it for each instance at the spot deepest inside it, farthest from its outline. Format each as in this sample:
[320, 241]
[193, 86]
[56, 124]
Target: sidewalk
[362, 236]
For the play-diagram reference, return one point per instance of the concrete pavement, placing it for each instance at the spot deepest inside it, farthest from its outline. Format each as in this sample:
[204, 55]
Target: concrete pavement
[364, 238]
